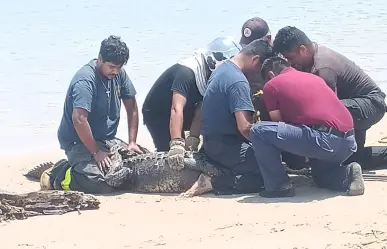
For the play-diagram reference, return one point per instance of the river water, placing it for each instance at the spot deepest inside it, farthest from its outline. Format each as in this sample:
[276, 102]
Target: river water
[44, 42]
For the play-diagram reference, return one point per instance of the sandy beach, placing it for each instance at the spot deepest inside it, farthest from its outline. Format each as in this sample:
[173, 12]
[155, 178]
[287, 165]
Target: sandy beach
[314, 219]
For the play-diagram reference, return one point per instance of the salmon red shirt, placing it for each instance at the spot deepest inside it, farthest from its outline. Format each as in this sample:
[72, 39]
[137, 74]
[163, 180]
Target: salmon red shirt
[305, 99]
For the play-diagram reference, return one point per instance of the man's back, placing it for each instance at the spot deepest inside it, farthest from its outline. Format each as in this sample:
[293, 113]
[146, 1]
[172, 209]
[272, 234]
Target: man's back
[228, 91]
[336, 69]
[305, 99]
[177, 78]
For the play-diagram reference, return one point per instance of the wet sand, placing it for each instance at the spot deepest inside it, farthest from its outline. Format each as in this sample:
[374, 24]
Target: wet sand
[314, 219]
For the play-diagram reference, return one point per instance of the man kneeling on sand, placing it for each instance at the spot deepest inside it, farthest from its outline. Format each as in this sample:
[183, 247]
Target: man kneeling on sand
[317, 126]
[90, 121]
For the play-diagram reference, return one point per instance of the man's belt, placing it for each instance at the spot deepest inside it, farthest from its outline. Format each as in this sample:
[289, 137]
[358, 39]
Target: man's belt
[333, 131]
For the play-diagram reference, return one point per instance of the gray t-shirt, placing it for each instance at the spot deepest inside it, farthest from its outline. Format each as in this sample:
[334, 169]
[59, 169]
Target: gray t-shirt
[228, 92]
[343, 75]
[87, 91]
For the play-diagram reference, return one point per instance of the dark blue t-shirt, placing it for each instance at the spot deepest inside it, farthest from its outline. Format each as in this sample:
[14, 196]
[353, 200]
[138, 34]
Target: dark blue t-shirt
[88, 90]
[228, 92]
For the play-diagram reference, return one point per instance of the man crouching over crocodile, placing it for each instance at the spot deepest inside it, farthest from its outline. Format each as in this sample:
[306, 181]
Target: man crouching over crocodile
[91, 117]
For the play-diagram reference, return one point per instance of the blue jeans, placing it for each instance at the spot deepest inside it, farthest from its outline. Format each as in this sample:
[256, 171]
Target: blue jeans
[326, 151]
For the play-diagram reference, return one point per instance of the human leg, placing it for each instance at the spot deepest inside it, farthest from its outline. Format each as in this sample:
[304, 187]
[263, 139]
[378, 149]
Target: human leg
[294, 161]
[360, 137]
[372, 157]
[343, 178]
[158, 128]
[366, 112]
[232, 153]
[236, 156]
[81, 173]
[270, 138]
[369, 157]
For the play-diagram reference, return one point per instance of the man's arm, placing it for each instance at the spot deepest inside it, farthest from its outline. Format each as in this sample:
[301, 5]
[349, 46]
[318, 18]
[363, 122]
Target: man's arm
[82, 95]
[176, 119]
[132, 117]
[82, 127]
[243, 123]
[197, 120]
[128, 96]
[241, 105]
[271, 102]
[182, 85]
[329, 76]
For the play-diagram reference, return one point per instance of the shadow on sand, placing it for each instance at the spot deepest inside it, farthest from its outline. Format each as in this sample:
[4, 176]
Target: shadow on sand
[306, 191]
[372, 175]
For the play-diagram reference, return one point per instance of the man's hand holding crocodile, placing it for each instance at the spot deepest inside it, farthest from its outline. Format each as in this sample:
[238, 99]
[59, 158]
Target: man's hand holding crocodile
[103, 160]
[192, 143]
[134, 147]
[176, 153]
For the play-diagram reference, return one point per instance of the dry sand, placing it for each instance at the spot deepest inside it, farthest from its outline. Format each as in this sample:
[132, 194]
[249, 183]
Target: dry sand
[314, 219]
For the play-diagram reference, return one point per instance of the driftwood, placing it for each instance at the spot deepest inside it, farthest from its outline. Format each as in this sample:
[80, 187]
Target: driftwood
[52, 202]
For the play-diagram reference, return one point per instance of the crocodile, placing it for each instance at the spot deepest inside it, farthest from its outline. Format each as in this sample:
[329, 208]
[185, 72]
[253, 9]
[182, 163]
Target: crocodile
[150, 172]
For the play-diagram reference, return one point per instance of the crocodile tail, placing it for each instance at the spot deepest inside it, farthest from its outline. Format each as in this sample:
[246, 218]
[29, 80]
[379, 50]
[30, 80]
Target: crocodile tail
[37, 171]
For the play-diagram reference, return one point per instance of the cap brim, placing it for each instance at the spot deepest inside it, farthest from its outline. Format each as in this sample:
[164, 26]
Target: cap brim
[243, 41]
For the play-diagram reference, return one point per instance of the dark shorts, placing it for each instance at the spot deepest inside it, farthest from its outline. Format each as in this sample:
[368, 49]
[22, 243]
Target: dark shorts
[237, 155]
[232, 153]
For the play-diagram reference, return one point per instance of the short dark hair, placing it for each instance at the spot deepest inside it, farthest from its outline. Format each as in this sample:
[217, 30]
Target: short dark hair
[275, 64]
[114, 50]
[289, 38]
[258, 47]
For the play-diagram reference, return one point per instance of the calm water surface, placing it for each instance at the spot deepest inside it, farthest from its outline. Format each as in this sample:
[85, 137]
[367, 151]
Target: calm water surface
[44, 42]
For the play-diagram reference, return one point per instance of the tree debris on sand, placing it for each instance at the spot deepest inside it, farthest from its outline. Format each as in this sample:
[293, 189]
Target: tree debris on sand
[53, 202]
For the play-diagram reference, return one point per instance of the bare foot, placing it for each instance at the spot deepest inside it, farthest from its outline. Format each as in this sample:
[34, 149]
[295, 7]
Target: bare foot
[201, 186]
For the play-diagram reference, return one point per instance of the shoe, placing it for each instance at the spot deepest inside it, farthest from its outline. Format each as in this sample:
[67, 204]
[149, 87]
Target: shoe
[289, 192]
[356, 181]
[45, 183]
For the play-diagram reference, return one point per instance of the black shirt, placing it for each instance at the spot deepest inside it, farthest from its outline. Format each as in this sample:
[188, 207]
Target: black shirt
[343, 75]
[177, 78]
